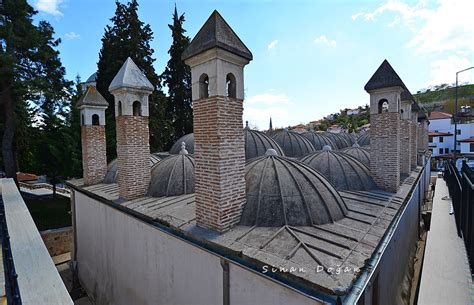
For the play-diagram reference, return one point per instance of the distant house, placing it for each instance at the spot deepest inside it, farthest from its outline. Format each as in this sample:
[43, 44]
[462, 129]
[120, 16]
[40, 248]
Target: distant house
[335, 128]
[441, 124]
[365, 127]
[467, 146]
[351, 112]
[26, 177]
[440, 143]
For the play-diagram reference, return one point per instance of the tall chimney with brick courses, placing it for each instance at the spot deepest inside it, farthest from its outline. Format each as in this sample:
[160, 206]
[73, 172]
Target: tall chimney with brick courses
[131, 89]
[405, 134]
[92, 111]
[217, 58]
[385, 88]
[414, 135]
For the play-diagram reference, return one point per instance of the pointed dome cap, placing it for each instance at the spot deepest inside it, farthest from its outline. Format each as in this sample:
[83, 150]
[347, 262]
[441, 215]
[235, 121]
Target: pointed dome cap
[338, 140]
[358, 153]
[188, 139]
[112, 169]
[384, 77]
[130, 76]
[92, 97]
[342, 170]
[216, 33]
[281, 192]
[292, 143]
[173, 176]
[257, 143]
[318, 140]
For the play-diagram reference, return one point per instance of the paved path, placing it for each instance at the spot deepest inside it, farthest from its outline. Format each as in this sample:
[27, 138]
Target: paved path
[446, 277]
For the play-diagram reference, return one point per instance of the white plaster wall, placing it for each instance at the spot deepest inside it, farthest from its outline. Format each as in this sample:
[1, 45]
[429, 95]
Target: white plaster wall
[441, 125]
[466, 148]
[122, 260]
[88, 112]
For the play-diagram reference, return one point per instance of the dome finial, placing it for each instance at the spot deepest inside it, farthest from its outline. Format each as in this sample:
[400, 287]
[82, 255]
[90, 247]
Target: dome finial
[271, 152]
[183, 150]
[327, 148]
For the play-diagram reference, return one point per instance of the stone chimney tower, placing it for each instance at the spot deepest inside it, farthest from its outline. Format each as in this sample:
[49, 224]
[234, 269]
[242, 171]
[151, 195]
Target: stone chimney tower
[385, 88]
[414, 135]
[217, 58]
[94, 159]
[405, 133]
[131, 89]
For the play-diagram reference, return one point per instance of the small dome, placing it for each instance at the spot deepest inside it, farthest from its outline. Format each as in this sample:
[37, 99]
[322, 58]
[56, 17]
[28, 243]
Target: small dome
[257, 143]
[359, 153]
[92, 78]
[188, 139]
[338, 140]
[292, 143]
[173, 176]
[364, 139]
[344, 171]
[112, 170]
[318, 140]
[281, 191]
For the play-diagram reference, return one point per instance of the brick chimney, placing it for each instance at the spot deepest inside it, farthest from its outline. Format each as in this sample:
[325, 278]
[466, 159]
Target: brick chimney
[385, 88]
[414, 135]
[405, 133]
[217, 58]
[92, 112]
[131, 89]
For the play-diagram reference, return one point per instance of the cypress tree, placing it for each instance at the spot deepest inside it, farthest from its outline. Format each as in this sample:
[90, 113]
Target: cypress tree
[127, 36]
[177, 78]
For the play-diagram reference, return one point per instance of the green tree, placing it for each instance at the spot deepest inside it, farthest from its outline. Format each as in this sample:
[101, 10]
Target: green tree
[30, 72]
[177, 78]
[73, 126]
[127, 36]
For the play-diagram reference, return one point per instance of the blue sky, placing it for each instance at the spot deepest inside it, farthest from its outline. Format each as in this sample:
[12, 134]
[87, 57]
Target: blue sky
[311, 58]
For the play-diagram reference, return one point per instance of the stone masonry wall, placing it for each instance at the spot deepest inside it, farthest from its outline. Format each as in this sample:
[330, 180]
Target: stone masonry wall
[413, 144]
[385, 150]
[405, 149]
[420, 137]
[94, 159]
[57, 241]
[133, 154]
[220, 162]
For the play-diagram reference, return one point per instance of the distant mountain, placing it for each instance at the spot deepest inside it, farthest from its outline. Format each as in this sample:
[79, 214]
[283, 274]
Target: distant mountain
[441, 98]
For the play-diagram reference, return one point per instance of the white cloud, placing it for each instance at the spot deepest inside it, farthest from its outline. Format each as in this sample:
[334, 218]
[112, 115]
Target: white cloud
[272, 44]
[260, 117]
[72, 36]
[443, 71]
[49, 6]
[268, 99]
[324, 40]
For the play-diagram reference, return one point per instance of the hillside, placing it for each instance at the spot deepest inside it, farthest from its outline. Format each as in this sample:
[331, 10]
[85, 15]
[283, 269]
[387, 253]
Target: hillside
[442, 99]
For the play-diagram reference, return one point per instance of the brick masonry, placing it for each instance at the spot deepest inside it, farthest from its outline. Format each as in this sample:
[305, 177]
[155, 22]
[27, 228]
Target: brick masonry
[94, 159]
[385, 150]
[405, 149]
[58, 241]
[133, 154]
[220, 162]
[413, 144]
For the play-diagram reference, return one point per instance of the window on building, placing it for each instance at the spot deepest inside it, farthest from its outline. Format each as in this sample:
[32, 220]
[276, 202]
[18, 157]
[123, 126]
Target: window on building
[204, 86]
[82, 119]
[471, 147]
[441, 139]
[383, 106]
[95, 119]
[137, 108]
[430, 139]
[446, 150]
[119, 108]
[440, 151]
[458, 131]
[231, 89]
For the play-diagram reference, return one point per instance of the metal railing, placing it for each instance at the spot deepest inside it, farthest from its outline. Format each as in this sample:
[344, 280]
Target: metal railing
[461, 191]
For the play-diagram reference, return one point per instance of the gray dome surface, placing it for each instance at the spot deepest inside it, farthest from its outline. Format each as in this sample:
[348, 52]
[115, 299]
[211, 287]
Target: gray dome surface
[364, 139]
[112, 170]
[359, 153]
[257, 143]
[349, 138]
[344, 172]
[318, 140]
[338, 140]
[188, 139]
[173, 176]
[281, 191]
[292, 143]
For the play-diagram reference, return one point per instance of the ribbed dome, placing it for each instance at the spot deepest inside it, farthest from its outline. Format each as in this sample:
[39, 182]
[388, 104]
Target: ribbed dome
[318, 140]
[173, 176]
[344, 171]
[349, 138]
[281, 191]
[112, 170]
[359, 153]
[292, 143]
[188, 139]
[364, 139]
[257, 143]
[338, 140]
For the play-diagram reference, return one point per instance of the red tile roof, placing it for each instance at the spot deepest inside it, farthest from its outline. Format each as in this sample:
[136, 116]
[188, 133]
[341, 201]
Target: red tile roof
[436, 115]
[439, 134]
[26, 177]
[471, 140]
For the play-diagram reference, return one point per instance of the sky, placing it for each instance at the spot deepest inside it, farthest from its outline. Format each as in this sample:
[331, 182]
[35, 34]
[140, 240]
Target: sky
[310, 58]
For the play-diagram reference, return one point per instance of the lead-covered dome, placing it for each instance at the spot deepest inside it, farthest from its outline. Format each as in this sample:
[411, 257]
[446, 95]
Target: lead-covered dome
[188, 139]
[281, 191]
[257, 143]
[318, 140]
[173, 176]
[359, 153]
[349, 137]
[292, 143]
[338, 140]
[364, 139]
[112, 169]
[344, 171]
